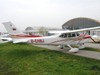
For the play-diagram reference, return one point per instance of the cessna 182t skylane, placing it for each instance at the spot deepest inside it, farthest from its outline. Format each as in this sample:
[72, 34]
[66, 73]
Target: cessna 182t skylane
[67, 37]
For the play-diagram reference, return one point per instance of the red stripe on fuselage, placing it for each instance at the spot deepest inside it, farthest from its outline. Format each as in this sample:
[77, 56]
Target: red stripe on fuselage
[84, 36]
[25, 36]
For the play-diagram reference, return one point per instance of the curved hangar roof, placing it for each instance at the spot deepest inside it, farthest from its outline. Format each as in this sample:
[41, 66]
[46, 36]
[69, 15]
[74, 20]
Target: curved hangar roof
[79, 23]
[29, 28]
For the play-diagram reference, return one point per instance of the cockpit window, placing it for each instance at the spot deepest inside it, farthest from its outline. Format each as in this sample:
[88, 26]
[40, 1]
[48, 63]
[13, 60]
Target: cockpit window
[64, 35]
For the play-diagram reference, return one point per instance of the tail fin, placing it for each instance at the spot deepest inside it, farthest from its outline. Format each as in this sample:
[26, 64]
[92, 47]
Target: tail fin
[16, 35]
[11, 28]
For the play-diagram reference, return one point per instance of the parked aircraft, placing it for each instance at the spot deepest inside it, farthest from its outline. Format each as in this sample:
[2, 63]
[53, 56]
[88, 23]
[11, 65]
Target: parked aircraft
[70, 37]
[5, 38]
[3, 41]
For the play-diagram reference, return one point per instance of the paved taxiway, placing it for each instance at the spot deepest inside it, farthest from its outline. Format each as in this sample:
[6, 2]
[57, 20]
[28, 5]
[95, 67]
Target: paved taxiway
[93, 45]
[85, 53]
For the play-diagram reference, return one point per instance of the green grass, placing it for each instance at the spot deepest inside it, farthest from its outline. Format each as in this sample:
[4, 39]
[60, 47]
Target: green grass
[24, 59]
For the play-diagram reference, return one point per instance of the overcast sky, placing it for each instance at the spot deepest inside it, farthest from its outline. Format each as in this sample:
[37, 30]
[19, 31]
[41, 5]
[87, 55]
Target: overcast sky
[49, 13]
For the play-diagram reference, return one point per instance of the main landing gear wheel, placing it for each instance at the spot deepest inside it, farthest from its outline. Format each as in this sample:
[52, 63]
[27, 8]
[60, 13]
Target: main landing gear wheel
[61, 46]
[74, 50]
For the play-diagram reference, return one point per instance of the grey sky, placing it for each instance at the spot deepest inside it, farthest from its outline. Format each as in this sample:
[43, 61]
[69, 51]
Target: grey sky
[49, 13]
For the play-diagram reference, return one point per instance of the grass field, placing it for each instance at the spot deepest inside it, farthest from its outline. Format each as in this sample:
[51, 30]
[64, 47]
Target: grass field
[24, 59]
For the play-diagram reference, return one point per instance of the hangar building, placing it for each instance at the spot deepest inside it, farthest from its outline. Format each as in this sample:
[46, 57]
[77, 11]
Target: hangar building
[79, 23]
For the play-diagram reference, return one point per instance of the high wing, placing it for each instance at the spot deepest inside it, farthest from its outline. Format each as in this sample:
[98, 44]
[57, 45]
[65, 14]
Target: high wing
[79, 30]
[60, 33]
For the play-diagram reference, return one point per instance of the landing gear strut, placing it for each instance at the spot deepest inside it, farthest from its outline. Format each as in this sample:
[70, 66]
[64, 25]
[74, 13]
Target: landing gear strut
[73, 50]
[81, 46]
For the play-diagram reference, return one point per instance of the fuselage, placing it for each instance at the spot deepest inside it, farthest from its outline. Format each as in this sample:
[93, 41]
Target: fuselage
[56, 40]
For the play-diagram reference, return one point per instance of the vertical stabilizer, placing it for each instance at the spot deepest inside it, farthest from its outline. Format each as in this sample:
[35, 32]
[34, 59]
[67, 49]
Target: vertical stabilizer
[11, 28]
[16, 35]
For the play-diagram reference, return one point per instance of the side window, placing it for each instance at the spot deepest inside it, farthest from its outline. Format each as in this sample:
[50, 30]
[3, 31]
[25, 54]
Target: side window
[63, 35]
[77, 34]
[73, 35]
[69, 35]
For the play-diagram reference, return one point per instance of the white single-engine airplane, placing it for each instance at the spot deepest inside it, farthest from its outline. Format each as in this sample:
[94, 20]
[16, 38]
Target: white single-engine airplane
[67, 37]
